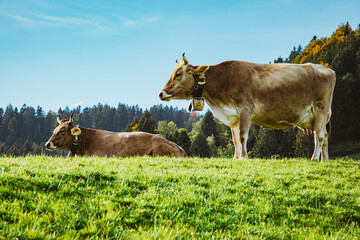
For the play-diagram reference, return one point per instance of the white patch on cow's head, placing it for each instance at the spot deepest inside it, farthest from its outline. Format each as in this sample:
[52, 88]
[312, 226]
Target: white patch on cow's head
[164, 96]
[50, 146]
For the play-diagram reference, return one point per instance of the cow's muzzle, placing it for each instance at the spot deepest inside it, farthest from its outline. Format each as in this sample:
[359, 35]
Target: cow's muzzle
[164, 96]
[50, 146]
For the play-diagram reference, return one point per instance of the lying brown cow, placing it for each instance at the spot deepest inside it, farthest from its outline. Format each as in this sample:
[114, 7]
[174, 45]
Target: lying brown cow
[279, 96]
[84, 141]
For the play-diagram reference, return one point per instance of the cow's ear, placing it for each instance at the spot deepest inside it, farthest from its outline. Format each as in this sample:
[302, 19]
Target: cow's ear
[200, 70]
[75, 131]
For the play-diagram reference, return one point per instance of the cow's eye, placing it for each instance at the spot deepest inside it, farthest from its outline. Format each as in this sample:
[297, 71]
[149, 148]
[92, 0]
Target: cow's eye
[177, 75]
[62, 130]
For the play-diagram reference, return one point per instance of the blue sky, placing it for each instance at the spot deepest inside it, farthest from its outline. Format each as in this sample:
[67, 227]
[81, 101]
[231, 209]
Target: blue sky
[76, 52]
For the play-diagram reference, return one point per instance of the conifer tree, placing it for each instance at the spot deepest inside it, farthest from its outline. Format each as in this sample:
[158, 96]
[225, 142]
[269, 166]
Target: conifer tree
[36, 149]
[133, 126]
[3, 149]
[147, 123]
[182, 138]
[1, 116]
[14, 150]
[25, 149]
[208, 126]
[304, 144]
[199, 146]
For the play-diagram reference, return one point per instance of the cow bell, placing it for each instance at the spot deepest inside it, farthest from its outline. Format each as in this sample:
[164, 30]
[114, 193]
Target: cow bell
[197, 104]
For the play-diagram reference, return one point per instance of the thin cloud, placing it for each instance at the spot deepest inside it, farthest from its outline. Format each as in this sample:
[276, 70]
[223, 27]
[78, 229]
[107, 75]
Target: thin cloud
[109, 22]
[152, 19]
[22, 20]
[40, 19]
[140, 22]
[130, 23]
[63, 20]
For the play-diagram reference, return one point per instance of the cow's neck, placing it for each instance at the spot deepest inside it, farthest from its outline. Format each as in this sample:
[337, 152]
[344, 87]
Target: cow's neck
[212, 92]
[84, 140]
[218, 95]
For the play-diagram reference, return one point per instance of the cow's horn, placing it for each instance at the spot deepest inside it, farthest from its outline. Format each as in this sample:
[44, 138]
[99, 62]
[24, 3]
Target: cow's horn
[71, 115]
[58, 119]
[184, 59]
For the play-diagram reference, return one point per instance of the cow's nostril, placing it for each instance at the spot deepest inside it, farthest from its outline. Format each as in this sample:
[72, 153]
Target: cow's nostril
[161, 95]
[47, 145]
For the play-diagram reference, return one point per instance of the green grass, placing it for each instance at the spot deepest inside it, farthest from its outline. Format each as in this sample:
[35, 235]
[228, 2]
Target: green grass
[354, 156]
[167, 198]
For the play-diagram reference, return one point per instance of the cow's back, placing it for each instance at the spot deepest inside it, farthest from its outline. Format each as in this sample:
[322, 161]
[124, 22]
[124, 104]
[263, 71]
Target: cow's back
[125, 144]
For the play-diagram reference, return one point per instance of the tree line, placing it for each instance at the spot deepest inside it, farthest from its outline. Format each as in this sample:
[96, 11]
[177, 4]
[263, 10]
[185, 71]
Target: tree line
[25, 131]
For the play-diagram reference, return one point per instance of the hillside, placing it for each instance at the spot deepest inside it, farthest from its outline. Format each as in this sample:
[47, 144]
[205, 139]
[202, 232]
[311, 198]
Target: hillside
[340, 52]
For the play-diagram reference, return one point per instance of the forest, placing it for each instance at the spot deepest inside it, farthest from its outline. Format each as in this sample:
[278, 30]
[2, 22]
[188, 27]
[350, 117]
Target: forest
[24, 131]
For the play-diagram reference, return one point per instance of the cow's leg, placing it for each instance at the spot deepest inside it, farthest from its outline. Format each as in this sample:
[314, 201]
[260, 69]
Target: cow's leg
[322, 131]
[320, 140]
[317, 146]
[320, 143]
[235, 132]
[324, 150]
[245, 122]
[240, 135]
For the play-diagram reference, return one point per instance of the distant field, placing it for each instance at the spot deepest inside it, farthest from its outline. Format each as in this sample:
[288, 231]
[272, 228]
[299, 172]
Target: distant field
[167, 198]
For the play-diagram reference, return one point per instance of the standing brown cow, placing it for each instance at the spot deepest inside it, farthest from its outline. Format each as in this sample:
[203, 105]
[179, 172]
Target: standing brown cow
[84, 141]
[279, 96]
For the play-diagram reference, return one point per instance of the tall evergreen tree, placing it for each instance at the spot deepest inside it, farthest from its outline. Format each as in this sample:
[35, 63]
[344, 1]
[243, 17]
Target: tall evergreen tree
[25, 149]
[1, 116]
[304, 144]
[209, 128]
[199, 146]
[3, 149]
[182, 138]
[279, 60]
[133, 126]
[147, 123]
[36, 149]
[272, 142]
[14, 150]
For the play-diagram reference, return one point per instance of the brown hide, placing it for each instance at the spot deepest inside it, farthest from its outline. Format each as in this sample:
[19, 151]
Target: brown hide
[105, 143]
[279, 96]
[276, 95]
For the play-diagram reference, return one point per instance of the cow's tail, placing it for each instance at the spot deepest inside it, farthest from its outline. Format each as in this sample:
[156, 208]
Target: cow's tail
[328, 129]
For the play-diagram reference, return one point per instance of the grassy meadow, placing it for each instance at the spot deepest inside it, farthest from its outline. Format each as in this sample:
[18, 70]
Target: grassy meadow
[186, 198]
